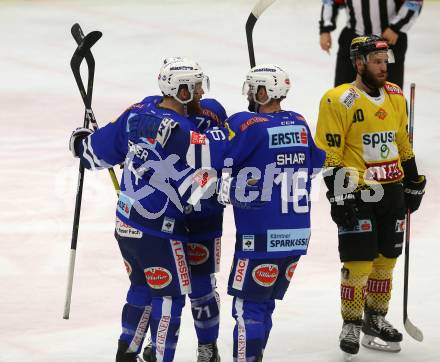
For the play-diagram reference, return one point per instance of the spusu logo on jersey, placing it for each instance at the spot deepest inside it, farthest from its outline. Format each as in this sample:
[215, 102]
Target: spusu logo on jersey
[288, 136]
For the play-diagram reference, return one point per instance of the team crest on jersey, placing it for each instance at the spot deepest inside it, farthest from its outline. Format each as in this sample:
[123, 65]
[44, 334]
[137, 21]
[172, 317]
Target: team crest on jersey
[265, 274]
[349, 97]
[158, 277]
[381, 114]
[197, 253]
[393, 89]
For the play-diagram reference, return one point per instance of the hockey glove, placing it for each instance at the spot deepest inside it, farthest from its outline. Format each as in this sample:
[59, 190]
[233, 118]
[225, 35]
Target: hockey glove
[232, 192]
[344, 209]
[151, 127]
[77, 135]
[414, 191]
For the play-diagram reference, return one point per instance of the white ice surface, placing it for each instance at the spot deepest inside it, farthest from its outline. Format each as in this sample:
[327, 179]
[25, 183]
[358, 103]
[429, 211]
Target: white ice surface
[40, 105]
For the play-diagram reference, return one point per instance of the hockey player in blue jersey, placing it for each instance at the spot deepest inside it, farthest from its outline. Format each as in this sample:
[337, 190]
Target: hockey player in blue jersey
[150, 226]
[204, 246]
[275, 147]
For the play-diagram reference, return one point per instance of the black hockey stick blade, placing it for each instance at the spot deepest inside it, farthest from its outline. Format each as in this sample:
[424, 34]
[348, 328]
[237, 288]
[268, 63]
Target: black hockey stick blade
[83, 51]
[250, 23]
[77, 33]
[87, 42]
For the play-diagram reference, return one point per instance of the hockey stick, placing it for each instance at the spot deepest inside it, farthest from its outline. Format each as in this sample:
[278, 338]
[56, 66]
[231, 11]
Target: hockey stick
[85, 43]
[83, 50]
[256, 12]
[410, 328]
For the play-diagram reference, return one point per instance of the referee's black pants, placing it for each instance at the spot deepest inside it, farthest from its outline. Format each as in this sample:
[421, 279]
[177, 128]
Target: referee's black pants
[345, 72]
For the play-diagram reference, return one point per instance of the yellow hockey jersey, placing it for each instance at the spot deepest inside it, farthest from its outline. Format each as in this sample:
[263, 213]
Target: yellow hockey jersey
[366, 133]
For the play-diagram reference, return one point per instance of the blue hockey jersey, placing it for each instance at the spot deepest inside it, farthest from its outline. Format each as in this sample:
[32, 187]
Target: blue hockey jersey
[279, 151]
[149, 198]
[206, 222]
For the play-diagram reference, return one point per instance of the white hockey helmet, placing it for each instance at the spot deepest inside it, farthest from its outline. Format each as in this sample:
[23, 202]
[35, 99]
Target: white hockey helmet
[272, 77]
[177, 71]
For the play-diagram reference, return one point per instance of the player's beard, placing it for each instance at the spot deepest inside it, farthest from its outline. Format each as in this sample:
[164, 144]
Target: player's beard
[371, 81]
[193, 107]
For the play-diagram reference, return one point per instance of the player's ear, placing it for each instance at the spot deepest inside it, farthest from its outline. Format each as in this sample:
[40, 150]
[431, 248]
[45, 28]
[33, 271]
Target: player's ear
[359, 64]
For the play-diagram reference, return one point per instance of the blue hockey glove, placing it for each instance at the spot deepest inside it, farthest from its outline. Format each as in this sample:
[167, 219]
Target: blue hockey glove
[77, 135]
[232, 192]
[151, 127]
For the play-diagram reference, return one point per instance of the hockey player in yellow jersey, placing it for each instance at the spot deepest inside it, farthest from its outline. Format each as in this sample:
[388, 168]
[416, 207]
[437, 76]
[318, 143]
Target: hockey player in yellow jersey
[372, 179]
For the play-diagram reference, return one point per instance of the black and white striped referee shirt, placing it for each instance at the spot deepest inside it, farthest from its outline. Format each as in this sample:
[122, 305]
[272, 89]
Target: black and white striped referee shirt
[368, 17]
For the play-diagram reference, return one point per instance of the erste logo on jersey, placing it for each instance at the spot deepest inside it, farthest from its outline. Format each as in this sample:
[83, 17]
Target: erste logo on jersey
[197, 253]
[158, 277]
[288, 136]
[125, 204]
[265, 274]
[363, 226]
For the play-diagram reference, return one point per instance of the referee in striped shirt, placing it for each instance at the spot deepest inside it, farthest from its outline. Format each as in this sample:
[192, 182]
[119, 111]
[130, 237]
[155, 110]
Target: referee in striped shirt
[390, 19]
